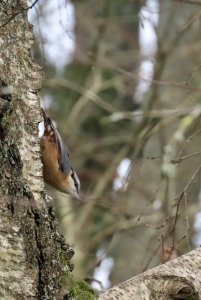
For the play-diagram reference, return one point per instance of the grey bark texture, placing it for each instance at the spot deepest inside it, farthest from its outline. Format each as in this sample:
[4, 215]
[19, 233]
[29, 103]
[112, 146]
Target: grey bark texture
[34, 258]
[177, 279]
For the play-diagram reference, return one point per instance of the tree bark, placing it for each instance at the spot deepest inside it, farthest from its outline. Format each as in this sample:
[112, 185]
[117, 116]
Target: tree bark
[177, 279]
[34, 258]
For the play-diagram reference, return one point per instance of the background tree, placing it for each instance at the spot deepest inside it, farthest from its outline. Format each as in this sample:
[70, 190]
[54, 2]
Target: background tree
[107, 116]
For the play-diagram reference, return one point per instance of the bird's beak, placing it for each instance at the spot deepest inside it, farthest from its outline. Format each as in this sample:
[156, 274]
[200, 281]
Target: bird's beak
[76, 195]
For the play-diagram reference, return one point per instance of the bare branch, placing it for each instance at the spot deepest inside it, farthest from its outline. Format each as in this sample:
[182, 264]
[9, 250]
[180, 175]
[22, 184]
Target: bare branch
[18, 12]
[188, 1]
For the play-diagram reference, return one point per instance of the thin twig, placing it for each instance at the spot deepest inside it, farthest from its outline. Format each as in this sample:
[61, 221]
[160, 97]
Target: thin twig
[190, 22]
[187, 141]
[179, 201]
[19, 12]
[188, 1]
[183, 85]
[180, 159]
[187, 220]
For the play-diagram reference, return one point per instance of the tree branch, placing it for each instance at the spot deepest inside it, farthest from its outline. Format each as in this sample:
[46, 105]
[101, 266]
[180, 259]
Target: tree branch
[17, 13]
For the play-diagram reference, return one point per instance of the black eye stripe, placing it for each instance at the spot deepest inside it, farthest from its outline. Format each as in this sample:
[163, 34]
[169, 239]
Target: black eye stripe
[75, 181]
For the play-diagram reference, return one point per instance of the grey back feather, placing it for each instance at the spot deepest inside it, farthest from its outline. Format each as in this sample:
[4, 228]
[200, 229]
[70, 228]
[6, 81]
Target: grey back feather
[64, 161]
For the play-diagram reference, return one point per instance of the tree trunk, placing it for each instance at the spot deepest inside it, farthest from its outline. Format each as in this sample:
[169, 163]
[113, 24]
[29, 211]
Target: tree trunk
[34, 258]
[178, 279]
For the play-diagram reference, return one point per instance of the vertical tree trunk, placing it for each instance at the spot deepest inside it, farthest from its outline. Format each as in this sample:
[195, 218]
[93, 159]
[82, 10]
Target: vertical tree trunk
[34, 258]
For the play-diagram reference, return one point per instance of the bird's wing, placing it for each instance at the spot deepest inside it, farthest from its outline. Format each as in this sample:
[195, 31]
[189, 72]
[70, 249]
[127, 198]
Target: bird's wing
[55, 138]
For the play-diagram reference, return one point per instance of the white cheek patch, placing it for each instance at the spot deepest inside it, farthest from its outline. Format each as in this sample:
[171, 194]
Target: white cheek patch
[41, 129]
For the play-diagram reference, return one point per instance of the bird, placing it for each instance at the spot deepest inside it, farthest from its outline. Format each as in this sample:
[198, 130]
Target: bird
[57, 169]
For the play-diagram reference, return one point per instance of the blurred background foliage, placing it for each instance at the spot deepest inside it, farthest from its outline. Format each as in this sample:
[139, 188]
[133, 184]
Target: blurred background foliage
[127, 103]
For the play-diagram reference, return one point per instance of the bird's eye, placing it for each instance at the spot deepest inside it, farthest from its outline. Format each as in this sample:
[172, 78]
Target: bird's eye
[76, 186]
[75, 181]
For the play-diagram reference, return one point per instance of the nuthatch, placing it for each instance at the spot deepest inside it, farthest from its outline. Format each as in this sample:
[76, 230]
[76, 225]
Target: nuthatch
[57, 169]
